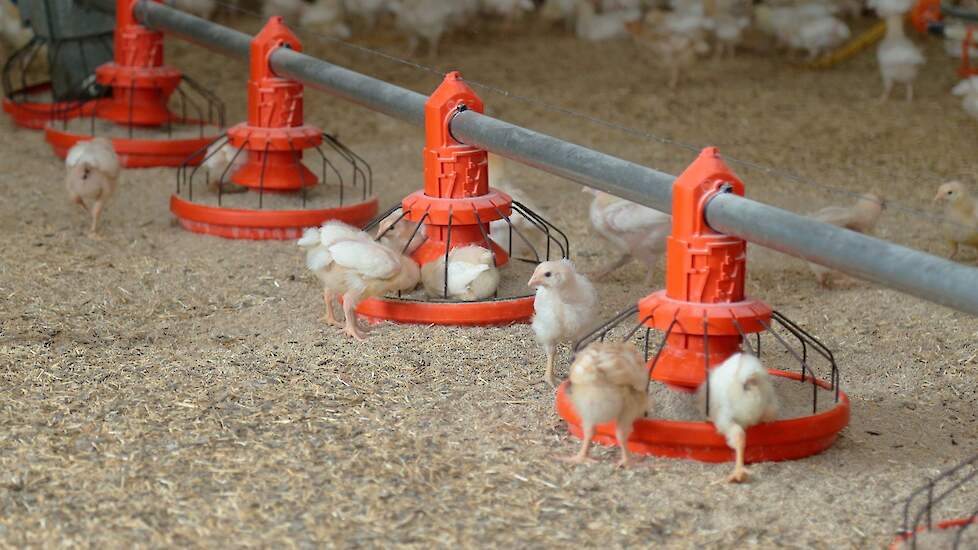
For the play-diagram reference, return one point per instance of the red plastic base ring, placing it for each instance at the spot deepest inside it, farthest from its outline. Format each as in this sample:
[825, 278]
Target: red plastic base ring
[787, 439]
[898, 542]
[260, 225]
[34, 115]
[486, 313]
[139, 153]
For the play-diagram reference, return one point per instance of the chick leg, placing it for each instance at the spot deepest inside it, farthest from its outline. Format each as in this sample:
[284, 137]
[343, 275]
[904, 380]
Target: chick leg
[954, 250]
[96, 214]
[582, 456]
[622, 431]
[612, 267]
[350, 300]
[887, 88]
[548, 375]
[330, 316]
[738, 439]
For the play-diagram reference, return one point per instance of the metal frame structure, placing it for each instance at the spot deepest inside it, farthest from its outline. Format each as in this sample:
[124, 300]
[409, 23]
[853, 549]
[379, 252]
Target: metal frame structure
[901, 268]
[918, 517]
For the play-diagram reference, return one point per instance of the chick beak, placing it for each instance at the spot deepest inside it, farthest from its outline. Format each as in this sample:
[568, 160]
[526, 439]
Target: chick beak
[534, 281]
[937, 197]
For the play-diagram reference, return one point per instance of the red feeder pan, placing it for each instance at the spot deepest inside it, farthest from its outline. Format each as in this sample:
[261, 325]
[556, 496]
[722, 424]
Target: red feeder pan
[455, 209]
[281, 195]
[136, 117]
[706, 318]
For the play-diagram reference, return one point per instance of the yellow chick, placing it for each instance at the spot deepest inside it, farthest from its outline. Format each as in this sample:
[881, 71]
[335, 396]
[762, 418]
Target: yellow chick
[608, 382]
[960, 216]
[860, 217]
[92, 174]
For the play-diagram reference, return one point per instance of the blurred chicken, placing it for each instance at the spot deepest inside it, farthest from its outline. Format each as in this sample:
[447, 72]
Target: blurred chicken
[554, 11]
[290, 10]
[510, 10]
[527, 240]
[898, 57]
[92, 174]
[423, 19]
[741, 395]
[367, 10]
[565, 307]
[597, 27]
[220, 163]
[676, 50]
[201, 8]
[786, 23]
[889, 8]
[13, 33]
[819, 35]
[634, 230]
[960, 216]
[608, 382]
[395, 233]
[472, 275]
[327, 15]
[348, 262]
[728, 29]
[968, 91]
[861, 217]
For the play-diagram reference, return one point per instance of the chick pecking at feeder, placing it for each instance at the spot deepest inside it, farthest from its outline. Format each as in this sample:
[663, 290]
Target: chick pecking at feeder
[705, 318]
[451, 228]
[153, 114]
[253, 183]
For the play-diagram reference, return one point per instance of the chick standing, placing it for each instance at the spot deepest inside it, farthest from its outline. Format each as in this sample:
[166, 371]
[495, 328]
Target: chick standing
[634, 230]
[92, 174]
[861, 217]
[676, 41]
[960, 216]
[347, 261]
[898, 57]
[565, 307]
[608, 382]
[740, 396]
[597, 27]
[472, 275]
[400, 234]
[967, 90]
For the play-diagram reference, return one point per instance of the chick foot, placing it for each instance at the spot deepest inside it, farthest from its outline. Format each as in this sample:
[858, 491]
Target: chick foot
[577, 459]
[739, 475]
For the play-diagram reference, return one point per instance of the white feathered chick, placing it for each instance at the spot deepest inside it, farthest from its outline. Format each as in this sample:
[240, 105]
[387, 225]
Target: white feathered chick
[889, 8]
[510, 10]
[860, 217]
[741, 395]
[676, 41]
[290, 10]
[635, 231]
[368, 10]
[554, 11]
[92, 174]
[960, 224]
[472, 275]
[608, 382]
[967, 90]
[327, 15]
[565, 307]
[222, 161]
[423, 19]
[819, 35]
[395, 232]
[898, 57]
[348, 262]
[728, 29]
[597, 27]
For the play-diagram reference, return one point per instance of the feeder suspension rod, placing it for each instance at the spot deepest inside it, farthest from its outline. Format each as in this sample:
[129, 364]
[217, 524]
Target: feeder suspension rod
[910, 271]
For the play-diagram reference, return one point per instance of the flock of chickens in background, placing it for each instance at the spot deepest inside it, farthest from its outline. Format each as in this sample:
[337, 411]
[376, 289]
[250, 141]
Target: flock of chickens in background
[608, 381]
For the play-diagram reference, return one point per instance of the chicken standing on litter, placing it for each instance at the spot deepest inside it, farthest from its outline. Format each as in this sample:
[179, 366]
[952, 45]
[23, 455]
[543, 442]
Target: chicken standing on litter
[565, 307]
[608, 382]
[861, 217]
[348, 262]
[634, 230]
[960, 226]
[472, 275]
[92, 174]
[741, 395]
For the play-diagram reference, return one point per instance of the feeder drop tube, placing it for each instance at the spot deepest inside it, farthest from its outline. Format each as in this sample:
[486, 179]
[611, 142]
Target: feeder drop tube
[904, 269]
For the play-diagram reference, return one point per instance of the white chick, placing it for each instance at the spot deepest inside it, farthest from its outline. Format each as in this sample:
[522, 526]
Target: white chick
[675, 49]
[861, 217]
[201, 8]
[395, 234]
[597, 27]
[423, 19]
[634, 230]
[960, 216]
[327, 15]
[508, 9]
[728, 30]
[888, 8]
[565, 307]
[784, 22]
[621, 5]
[368, 10]
[527, 239]
[554, 11]
[741, 395]
[898, 57]
[290, 10]
[819, 35]
[92, 174]
[608, 382]
[223, 161]
[968, 91]
[348, 262]
[471, 272]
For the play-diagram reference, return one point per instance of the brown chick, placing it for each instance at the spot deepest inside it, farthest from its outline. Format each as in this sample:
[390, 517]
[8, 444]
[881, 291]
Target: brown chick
[608, 382]
[92, 173]
[861, 217]
[960, 216]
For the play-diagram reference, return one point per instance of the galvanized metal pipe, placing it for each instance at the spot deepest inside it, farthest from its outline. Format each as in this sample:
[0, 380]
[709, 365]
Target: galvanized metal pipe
[902, 268]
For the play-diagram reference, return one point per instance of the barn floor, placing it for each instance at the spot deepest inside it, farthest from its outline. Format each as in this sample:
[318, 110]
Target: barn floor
[161, 388]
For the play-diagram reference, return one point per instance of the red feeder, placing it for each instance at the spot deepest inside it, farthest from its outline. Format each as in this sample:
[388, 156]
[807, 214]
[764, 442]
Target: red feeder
[282, 195]
[139, 103]
[457, 208]
[706, 318]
